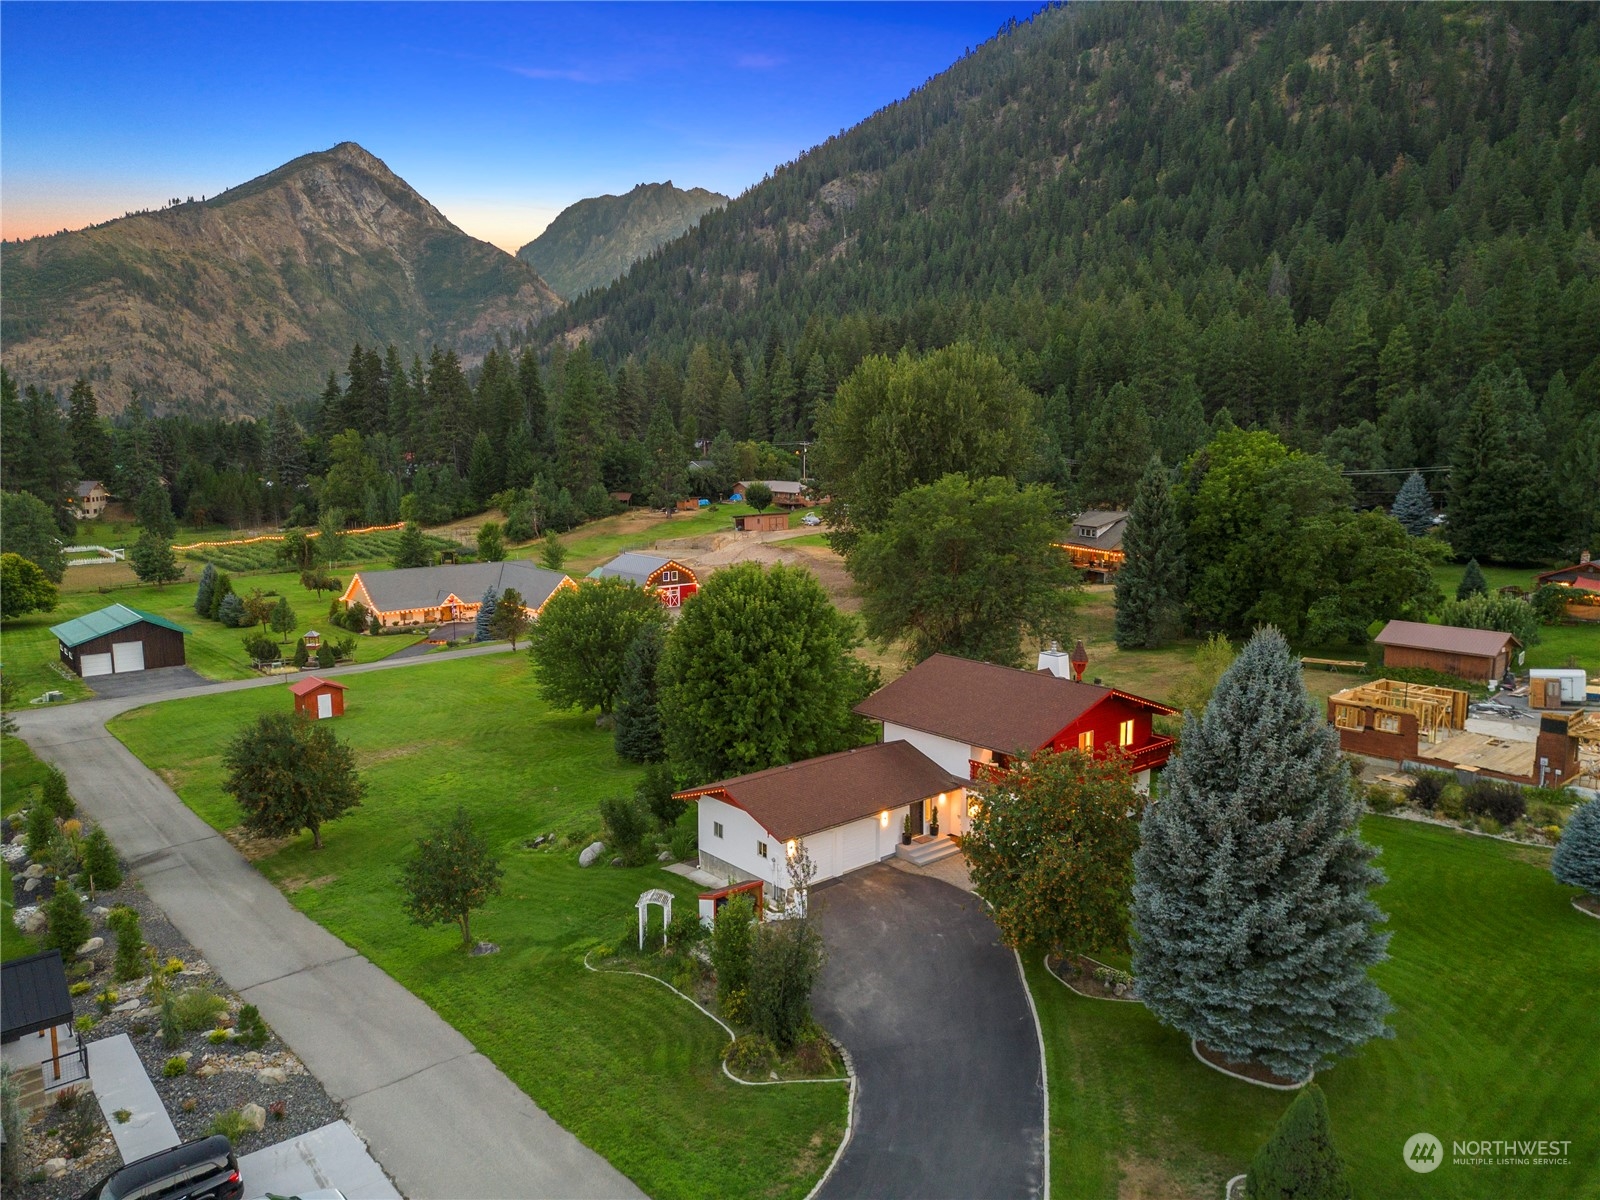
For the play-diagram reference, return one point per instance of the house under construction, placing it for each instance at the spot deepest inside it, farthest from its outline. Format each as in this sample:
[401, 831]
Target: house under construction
[1391, 719]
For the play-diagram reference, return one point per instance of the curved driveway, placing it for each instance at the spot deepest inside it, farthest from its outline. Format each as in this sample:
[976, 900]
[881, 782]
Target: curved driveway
[442, 1119]
[933, 1011]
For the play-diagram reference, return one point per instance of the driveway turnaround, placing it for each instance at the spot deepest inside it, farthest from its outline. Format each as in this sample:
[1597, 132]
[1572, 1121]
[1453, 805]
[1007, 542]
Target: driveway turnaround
[933, 1011]
[442, 1119]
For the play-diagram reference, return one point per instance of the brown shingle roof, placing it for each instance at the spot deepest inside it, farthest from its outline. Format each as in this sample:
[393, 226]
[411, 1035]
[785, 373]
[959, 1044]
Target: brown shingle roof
[1450, 639]
[819, 793]
[999, 708]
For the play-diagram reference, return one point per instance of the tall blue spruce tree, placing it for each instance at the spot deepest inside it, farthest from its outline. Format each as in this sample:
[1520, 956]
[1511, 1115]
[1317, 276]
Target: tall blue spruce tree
[1577, 859]
[1413, 506]
[202, 596]
[491, 600]
[1254, 928]
[638, 715]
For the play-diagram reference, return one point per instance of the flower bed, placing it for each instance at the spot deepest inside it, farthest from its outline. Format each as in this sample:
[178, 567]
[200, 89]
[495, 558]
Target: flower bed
[1249, 1072]
[1093, 979]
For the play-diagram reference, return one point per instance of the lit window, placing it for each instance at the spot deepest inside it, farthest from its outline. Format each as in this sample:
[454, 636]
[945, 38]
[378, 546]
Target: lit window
[716, 829]
[1086, 741]
[761, 849]
[1125, 734]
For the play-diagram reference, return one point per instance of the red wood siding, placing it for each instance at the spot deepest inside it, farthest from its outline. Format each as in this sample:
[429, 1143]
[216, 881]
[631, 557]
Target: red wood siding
[1104, 720]
[1478, 668]
[308, 703]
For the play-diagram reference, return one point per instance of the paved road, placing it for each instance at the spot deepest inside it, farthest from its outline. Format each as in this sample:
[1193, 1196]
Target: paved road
[441, 1118]
[932, 1009]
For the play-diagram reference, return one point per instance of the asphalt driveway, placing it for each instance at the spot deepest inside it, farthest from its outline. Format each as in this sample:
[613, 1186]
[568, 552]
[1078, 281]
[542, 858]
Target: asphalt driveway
[145, 683]
[932, 1009]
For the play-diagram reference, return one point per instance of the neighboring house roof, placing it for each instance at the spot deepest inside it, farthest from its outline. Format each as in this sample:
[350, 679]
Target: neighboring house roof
[428, 587]
[86, 488]
[312, 682]
[701, 464]
[33, 995]
[1098, 529]
[106, 620]
[631, 566]
[1589, 583]
[1449, 639]
[998, 708]
[819, 793]
[1575, 574]
[780, 487]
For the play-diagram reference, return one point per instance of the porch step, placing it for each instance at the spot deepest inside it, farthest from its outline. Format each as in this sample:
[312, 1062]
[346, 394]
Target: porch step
[924, 850]
[30, 1084]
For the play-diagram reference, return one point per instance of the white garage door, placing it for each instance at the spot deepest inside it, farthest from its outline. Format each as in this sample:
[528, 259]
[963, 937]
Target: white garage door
[95, 664]
[821, 846]
[127, 656]
[858, 845]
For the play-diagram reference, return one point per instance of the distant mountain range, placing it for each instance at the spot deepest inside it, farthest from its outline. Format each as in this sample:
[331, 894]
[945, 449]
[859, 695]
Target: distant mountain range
[253, 296]
[595, 241]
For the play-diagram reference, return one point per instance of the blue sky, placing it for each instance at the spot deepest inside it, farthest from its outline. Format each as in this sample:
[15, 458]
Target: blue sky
[501, 114]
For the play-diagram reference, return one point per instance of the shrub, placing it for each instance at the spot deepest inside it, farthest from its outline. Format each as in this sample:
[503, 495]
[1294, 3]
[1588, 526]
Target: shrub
[189, 1104]
[217, 1036]
[1113, 978]
[85, 1023]
[105, 1000]
[129, 961]
[1501, 801]
[654, 795]
[174, 965]
[231, 1125]
[732, 948]
[100, 862]
[1299, 1161]
[1381, 800]
[171, 1026]
[686, 930]
[752, 1054]
[813, 1055]
[80, 988]
[67, 925]
[736, 1006]
[1426, 791]
[197, 1008]
[252, 1031]
[626, 824]
[1452, 802]
[67, 1098]
[39, 831]
[788, 957]
[55, 795]
[685, 842]
[278, 1110]
[79, 1128]
[175, 1066]
[14, 1126]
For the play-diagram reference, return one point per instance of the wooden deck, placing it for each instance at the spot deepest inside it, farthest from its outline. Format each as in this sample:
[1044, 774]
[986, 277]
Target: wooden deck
[1480, 752]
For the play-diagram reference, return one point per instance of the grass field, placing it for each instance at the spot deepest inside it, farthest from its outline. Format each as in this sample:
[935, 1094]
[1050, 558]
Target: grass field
[215, 651]
[626, 1066]
[1493, 978]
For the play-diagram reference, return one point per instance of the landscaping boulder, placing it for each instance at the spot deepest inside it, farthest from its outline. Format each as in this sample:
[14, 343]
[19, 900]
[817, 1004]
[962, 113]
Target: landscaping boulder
[591, 852]
[271, 1075]
[35, 871]
[29, 885]
[55, 1167]
[255, 1116]
[207, 1070]
[93, 944]
[29, 919]
[664, 856]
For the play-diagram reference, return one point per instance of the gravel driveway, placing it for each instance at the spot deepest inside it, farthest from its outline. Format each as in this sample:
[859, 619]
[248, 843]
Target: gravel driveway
[934, 1013]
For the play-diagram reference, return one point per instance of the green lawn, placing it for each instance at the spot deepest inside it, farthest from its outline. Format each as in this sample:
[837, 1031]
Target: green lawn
[1493, 978]
[621, 1062]
[212, 649]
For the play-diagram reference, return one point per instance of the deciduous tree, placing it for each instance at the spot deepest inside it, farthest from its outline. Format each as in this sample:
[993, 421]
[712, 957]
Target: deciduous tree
[23, 587]
[1051, 849]
[491, 542]
[290, 773]
[552, 552]
[1255, 930]
[30, 530]
[758, 496]
[965, 567]
[511, 617]
[582, 637]
[758, 671]
[153, 559]
[451, 872]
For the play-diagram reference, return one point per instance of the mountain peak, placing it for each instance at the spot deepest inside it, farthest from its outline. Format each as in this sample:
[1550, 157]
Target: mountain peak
[595, 241]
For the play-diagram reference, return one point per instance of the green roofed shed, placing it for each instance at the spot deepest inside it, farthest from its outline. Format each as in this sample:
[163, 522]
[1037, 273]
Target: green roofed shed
[118, 639]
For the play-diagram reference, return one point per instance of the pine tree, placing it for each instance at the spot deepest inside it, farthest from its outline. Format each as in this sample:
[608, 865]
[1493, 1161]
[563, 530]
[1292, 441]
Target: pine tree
[100, 867]
[67, 925]
[1413, 507]
[1576, 861]
[1472, 581]
[638, 729]
[202, 596]
[1299, 1162]
[153, 559]
[411, 550]
[283, 619]
[1151, 582]
[486, 615]
[231, 611]
[1255, 928]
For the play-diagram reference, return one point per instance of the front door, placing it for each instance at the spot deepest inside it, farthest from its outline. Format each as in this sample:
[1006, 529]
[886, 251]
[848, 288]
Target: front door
[324, 706]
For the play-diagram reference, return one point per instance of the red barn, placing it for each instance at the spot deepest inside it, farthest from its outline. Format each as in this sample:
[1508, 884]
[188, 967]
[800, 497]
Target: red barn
[669, 579]
[318, 698]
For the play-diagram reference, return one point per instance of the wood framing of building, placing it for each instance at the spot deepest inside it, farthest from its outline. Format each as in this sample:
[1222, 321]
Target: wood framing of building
[1390, 719]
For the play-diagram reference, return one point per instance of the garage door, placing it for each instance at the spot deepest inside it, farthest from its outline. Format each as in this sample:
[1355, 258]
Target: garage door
[127, 656]
[858, 845]
[821, 846]
[95, 664]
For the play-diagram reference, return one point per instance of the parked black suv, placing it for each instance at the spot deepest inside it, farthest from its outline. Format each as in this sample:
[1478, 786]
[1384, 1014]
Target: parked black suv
[203, 1170]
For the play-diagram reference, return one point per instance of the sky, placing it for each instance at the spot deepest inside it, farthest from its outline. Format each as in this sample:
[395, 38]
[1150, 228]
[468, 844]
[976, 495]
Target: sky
[500, 114]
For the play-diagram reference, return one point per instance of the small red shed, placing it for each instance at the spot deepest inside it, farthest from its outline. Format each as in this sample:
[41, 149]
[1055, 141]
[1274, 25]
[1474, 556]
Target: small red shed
[318, 698]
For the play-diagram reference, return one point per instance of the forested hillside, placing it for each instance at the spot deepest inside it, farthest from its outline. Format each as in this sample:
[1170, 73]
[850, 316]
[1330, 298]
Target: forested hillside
[596, 240]
[1326, 219]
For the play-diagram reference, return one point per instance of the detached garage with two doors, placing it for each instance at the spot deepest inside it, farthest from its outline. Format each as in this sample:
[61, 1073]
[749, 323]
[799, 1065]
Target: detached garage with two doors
[118, 640]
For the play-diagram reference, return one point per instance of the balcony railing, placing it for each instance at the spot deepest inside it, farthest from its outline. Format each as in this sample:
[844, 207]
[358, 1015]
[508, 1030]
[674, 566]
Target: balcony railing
[1153, 753]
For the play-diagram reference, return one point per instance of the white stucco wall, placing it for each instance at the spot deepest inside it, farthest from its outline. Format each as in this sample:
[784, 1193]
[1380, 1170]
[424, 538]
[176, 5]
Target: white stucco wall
[954, 757]
[844, 847]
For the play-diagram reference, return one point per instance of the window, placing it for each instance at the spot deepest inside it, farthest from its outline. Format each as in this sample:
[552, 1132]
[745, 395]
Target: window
[1086, 741]
[1125, 734]
[716, 829]
[669, 577]
[1347, 716]
[761, 849]
[1388, 723]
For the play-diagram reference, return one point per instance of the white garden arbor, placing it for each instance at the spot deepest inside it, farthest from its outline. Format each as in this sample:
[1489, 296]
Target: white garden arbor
[654, 896]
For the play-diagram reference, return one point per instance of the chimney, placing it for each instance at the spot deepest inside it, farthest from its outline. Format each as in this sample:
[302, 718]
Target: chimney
[1054, 660]
[1583, 558]
[1079, 660]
